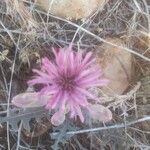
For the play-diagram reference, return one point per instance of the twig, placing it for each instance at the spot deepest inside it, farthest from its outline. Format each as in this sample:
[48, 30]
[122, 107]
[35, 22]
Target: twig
[97, 37]
[11, 78]
[19, 135]
[117, 126]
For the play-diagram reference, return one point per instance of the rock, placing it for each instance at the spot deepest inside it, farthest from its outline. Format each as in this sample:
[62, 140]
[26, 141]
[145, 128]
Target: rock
[144, 39]
[71, 9]
[117, 67]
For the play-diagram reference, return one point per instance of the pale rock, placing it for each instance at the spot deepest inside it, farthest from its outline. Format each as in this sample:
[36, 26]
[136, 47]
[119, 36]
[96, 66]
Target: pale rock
[71, 9]
[116, 64]
[144, 38]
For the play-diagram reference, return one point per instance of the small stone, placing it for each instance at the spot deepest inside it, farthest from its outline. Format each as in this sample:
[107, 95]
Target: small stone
[117, 67]
[71, 9]
[144, 38]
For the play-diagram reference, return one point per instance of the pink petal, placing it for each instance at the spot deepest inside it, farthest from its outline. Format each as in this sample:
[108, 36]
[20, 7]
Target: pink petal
[100, 113]
[52, 103]
[87, 58]
[91, 62]
[98, 83]
[71, 62]
[38, 80]
[49, 67]
[71, 105]
[25, 100]
[60, 57]
[79, 113]
[89, 79]
[63, 102]
[79, 57]
[48, 90]
[79, 99]
[58, 118]
[86, 93]
[42, 74]
[55, 52]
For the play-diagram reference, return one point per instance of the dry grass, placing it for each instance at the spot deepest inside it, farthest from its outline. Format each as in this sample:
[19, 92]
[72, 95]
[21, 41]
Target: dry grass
[27, 34]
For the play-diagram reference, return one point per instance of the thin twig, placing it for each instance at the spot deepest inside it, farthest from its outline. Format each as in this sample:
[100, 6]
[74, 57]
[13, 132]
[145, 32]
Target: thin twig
[97, 37]
[11, 78]
[117, 126]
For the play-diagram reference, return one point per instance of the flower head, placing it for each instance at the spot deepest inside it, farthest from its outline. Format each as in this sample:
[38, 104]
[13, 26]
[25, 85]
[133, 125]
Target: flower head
[66, 80]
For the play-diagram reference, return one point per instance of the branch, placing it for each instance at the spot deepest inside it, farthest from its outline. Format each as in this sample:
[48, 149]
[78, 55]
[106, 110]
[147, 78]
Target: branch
[122, 125]
[97, 37]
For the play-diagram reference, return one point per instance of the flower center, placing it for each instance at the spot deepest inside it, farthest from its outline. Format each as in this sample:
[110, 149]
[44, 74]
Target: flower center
[67, 83]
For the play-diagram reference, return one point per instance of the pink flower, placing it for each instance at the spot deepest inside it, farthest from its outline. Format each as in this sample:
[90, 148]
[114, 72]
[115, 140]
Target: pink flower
[67, 80]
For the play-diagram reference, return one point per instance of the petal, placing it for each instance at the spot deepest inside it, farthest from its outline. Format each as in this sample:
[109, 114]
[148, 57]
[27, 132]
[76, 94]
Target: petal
[100, 113]
[83, 74]
[49, 67]
[60, 57]
[79, 57]
[86, 93]
[71, 62]
[70, 106]
[89, 79]
[38, 80]
[90, 72]
[79, 113]
[42, 74]
[91, 62]
[58, 118]
[98, 83]
[48, 90]
[52, 103]
[62, 104]
[25, 100]
[55, 51]
[79, 99]
[87, 58]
